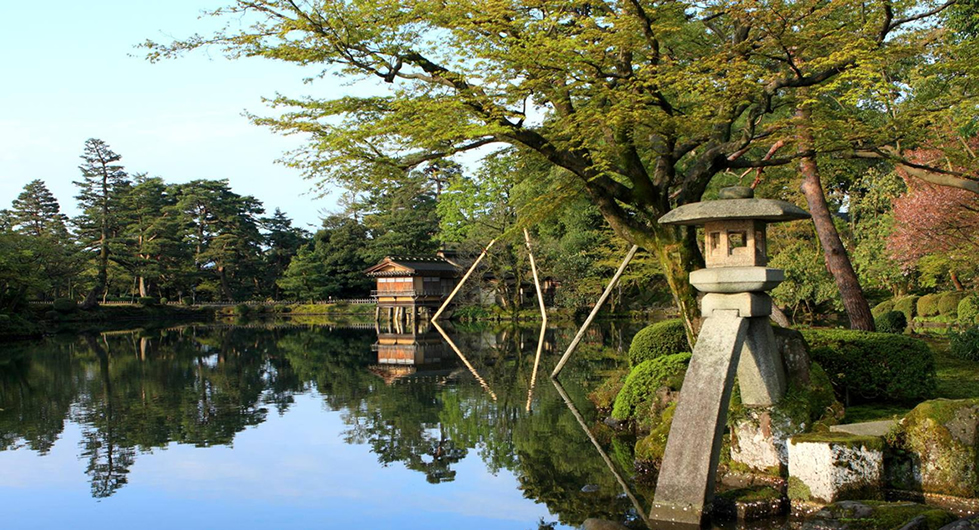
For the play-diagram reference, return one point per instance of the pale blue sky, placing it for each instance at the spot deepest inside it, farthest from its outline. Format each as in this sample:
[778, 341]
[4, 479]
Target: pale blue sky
[69, 71]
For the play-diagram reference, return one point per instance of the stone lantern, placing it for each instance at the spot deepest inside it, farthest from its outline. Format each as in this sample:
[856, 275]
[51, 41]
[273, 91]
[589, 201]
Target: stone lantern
[735, 336]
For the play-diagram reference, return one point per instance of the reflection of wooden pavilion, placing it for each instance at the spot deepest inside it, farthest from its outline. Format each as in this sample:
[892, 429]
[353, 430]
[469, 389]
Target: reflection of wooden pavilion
[409, 287]
[401, 355]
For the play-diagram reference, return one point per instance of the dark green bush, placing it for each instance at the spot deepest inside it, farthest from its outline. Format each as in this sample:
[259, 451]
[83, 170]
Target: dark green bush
[470, 313]
[64, 305]
[644, 380]
[52, 315]
[663, 338]
[964, 344]
[928, 305]
[948, 303]
[241, 309]
[891, 322]
[882, 308]
[867, 366]
[966, 310]
[164, 300]
[148, 300]
[187, 301]
[907, 306]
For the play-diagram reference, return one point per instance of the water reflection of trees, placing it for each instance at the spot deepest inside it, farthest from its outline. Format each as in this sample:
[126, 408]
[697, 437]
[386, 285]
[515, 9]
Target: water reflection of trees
[134, 392]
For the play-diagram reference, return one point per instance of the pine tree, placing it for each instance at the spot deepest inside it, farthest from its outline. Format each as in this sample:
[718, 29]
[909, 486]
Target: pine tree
[36, 212]
[101, 189]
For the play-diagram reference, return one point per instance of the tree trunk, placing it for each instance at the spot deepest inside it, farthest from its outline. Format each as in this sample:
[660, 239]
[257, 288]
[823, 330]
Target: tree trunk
[838, 263]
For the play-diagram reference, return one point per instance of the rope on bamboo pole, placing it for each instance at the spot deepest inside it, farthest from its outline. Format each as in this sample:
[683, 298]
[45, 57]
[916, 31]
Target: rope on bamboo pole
[462, 281]
[595, 311]
[544, 319]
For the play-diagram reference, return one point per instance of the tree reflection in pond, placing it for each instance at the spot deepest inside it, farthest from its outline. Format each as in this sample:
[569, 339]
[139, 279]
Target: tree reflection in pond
[133, 392]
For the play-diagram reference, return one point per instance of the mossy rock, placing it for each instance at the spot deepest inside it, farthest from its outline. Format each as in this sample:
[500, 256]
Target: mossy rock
[651, 447]
[645, 379]
[663, 338]
[605, 394]
[907, 305]
[882, 308]
[876, 515]
[939, 439]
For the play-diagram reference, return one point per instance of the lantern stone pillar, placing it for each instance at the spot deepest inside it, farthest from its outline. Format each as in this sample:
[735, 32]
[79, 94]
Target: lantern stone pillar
[736, 337]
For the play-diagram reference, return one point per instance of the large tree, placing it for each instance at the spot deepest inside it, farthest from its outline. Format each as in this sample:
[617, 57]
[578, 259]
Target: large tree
[100, 193]
[643, 102]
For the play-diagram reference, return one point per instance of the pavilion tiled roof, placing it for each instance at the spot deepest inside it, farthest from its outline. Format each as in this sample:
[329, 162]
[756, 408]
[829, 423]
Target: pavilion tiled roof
[414, 265]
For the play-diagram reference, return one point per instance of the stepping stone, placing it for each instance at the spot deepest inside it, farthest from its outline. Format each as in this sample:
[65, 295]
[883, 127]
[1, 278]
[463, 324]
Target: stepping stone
[868, 428]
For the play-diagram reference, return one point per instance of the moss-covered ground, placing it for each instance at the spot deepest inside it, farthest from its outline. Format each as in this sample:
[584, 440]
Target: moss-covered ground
[955, 378]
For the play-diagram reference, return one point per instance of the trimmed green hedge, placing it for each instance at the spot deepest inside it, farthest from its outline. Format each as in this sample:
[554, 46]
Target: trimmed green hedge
[869, 366]
[891, 322]
[928, 305]
[644, 380]
[882, 308]
[907, 306]
[64, 305]
[148, 300]
[663, 338]
[948, 303]
[966, 310]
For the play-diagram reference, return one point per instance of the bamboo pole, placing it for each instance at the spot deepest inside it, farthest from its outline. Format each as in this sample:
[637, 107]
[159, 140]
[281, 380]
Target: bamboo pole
[465, 360]
[544, 319]
[595, 311]
[462, 281]
[605, 458]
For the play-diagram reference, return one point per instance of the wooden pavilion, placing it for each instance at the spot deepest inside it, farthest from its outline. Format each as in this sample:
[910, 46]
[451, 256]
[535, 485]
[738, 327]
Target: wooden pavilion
[409, 288]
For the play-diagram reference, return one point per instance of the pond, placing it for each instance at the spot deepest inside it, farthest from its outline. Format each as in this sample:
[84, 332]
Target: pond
[308, 425]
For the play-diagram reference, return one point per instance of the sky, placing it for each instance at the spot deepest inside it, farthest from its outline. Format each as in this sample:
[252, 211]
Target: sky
[69, 72]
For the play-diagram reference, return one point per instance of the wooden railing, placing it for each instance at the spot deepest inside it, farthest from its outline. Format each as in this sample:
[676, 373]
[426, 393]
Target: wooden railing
[406, 292]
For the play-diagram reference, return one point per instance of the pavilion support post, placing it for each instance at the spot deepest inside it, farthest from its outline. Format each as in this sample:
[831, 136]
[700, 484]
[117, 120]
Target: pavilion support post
[595, 311]
[462, 281]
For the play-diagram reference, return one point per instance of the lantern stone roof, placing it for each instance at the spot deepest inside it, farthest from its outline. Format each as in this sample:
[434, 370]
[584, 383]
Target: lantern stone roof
[411, 266]
[769, 210]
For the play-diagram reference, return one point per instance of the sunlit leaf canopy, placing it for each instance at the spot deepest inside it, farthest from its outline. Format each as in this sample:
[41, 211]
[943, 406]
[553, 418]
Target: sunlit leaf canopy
[640, 98]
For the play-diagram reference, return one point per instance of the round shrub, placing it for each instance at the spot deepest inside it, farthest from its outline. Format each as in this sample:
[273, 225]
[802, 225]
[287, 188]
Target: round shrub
[964, 344]
[865, 366]
[882, 308]
[948, 302]
[241, 309]
[164, 300]
[891, 322]
[928, 305]
[187, 301]
[148, 300]
[907, 306]
[64, 305]
[52, 315]
[644, 380]
[966, 310]
[663, 338]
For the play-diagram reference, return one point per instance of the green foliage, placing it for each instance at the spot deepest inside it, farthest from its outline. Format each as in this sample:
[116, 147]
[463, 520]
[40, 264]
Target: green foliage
[64, 305]
[808, 288]
[148, 301]
[644, 380]
[882, 308]
[907, 305]
[241, 310]
[164, 300]
[964, 344]
[891, 322]
[967, 310]
[470, 313]
[868, 366]
[331, 265]
[948, 303]
[927, 305]
[657, 340]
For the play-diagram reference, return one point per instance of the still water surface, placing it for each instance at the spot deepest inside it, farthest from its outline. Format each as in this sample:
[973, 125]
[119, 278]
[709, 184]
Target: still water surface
[305, 426]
